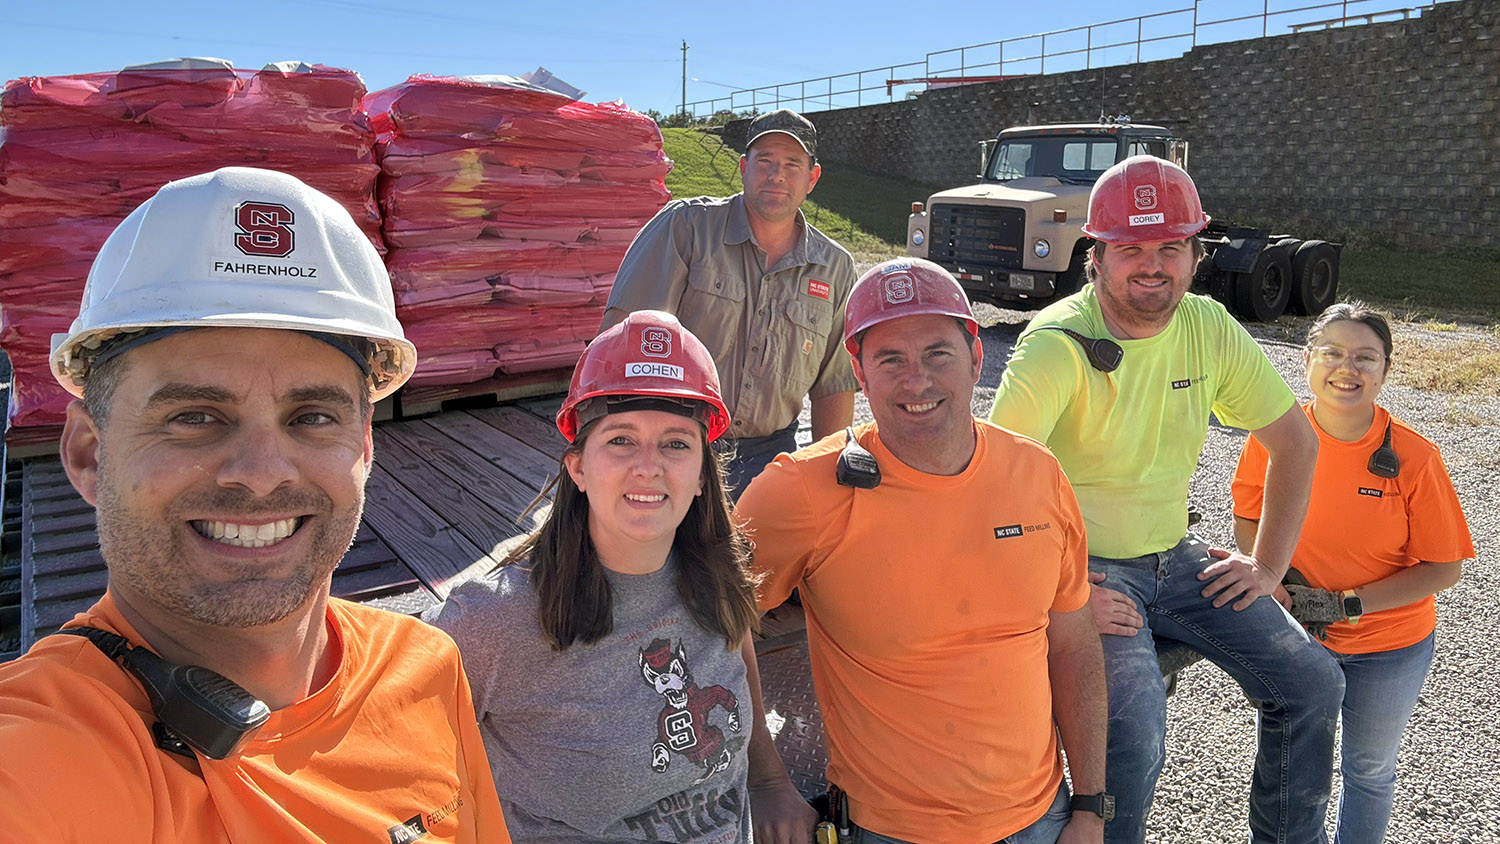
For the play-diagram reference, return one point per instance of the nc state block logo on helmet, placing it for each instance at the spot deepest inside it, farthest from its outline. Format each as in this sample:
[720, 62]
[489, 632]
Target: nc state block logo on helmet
[265, 229]
[899, 288]
[648, 355]
[222, 250]
[1144, 199]
[656, 342]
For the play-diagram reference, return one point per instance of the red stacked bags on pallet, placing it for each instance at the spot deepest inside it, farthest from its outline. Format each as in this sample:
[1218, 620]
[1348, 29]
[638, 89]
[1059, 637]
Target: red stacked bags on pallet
[506, 211]
[79, 153]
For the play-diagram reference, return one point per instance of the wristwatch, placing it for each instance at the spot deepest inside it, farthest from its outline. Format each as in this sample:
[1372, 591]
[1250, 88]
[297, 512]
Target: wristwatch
[1101, 804]
[1353, 606]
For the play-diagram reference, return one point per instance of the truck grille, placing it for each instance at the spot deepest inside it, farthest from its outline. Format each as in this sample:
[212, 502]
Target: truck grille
[976, 235]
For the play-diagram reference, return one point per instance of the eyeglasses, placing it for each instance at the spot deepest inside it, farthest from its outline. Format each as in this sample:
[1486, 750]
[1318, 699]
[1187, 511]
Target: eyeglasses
[1334, 357]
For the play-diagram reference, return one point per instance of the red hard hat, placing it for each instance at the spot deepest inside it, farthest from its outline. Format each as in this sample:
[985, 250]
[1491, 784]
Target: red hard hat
[1144, 199]
[649, 354]
[903, 287]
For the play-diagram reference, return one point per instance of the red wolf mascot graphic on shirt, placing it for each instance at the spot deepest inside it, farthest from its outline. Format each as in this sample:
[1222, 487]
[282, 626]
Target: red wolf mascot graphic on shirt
[683, 724]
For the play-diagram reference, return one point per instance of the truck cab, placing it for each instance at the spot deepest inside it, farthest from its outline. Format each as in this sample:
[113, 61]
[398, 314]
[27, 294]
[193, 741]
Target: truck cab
[1016, 237]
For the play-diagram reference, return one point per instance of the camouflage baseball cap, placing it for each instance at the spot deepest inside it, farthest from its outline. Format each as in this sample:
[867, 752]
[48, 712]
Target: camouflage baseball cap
[787, 122]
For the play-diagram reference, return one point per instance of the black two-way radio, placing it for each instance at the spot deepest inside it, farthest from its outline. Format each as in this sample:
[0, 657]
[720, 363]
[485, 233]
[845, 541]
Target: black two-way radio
[1383, 462]
[1103, 353]
[195, 707]
[857, 466]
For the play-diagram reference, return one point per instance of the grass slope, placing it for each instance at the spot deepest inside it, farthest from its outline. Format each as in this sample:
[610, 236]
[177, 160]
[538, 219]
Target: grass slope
[863, 212]
[1427, 286]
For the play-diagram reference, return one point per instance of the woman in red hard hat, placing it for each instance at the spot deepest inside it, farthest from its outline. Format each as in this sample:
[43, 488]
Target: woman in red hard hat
[608, 654]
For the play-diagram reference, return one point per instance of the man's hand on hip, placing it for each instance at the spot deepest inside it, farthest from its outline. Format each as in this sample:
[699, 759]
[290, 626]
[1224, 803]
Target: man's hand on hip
[1237, 578]
[1114, 613]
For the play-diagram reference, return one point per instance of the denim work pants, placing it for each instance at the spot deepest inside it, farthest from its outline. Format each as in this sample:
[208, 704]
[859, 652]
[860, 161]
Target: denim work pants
[1292, 679]
[749, 455]
[1043, 830]
[1380, 693]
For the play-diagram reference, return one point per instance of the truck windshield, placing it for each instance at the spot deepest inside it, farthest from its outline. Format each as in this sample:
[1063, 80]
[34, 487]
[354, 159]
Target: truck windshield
[1077, 159]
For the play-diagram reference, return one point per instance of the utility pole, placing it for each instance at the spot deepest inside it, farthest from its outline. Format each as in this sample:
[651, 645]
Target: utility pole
[683, 109]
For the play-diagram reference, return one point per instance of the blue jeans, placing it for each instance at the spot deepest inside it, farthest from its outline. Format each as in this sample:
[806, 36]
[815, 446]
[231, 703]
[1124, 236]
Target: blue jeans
[749, 455]
[1380, 693]
[1291, 678]
[1044, 830]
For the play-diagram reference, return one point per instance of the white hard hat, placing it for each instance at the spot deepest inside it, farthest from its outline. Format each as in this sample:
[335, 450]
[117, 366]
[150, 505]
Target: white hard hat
[243, 248]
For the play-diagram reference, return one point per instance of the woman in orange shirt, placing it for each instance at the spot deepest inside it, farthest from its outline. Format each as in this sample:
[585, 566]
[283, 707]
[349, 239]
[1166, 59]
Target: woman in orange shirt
[1384, 533]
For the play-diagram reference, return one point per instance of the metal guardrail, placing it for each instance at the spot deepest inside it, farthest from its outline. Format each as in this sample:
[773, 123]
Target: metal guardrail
[1151, 37]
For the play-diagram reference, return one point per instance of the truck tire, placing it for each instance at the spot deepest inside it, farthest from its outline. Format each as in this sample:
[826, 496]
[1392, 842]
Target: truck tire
[1315, 278]
[1261, 294]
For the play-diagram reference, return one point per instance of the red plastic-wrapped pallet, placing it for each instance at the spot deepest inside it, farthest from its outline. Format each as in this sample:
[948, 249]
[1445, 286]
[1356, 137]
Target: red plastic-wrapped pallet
[79, 153]
[506, 210]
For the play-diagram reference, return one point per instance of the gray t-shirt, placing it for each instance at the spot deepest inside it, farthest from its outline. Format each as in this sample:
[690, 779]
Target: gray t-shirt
[640, 736]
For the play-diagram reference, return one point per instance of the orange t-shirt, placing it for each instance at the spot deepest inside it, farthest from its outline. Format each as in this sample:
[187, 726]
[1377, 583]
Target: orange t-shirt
[1361, 528]
[387, 749]
[927, 602]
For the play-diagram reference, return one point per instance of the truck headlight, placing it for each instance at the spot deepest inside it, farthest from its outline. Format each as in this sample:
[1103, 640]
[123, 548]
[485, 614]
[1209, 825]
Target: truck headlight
[1042, 248]
[917, 237]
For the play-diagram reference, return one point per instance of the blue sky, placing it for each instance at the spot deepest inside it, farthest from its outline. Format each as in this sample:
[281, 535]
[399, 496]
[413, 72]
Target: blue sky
[612, 50]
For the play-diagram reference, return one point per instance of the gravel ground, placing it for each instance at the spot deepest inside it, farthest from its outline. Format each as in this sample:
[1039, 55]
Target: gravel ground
[1448, 777]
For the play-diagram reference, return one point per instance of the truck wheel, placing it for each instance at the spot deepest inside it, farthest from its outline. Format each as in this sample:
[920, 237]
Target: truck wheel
[1261, 294]
[1315, 274]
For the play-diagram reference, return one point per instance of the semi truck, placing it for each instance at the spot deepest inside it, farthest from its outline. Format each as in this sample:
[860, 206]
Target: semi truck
[1016, 238]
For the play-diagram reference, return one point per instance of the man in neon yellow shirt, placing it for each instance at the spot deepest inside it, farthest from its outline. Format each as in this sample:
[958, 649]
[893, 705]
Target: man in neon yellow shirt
[1119, 381]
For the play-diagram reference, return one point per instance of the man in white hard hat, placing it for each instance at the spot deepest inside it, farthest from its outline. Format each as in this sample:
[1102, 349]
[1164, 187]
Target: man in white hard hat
[1119, 380]
[233, 333]
[761, 287]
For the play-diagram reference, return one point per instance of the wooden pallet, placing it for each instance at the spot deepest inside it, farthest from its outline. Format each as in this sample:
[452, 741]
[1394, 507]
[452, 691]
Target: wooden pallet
[425, 401]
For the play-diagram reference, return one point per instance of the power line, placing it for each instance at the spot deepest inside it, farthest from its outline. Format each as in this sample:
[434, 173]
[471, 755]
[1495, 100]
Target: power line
[720, 84]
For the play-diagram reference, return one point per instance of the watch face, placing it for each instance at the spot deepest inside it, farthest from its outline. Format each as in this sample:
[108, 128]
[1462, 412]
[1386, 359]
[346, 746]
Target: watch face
[1354, 606]
[1109, 807]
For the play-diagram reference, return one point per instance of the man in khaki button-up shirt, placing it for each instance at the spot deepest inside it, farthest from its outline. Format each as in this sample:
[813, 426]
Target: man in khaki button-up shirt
[761, 287]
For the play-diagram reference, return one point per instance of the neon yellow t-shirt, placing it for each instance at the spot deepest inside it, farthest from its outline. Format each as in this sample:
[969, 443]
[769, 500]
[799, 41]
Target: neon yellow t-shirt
[1130, 439]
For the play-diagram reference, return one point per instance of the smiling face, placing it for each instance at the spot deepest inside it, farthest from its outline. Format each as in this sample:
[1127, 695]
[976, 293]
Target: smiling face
[641, 470]
[919, 374]
[778, 174]
[1347, 367]
[1139, 285]
[228, 475]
